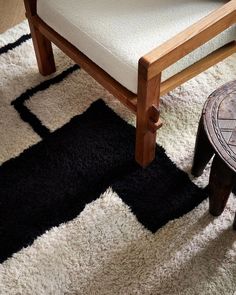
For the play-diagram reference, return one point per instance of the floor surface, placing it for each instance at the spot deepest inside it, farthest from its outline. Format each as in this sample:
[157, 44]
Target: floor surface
[12, 12]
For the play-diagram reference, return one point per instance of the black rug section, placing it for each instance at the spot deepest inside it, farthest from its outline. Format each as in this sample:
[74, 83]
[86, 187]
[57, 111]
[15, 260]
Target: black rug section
[52, 181]
[25, 114]
[15, 44]
[159, 193]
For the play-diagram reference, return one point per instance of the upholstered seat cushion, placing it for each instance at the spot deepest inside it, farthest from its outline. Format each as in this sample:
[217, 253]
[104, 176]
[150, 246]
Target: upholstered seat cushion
[116, 33]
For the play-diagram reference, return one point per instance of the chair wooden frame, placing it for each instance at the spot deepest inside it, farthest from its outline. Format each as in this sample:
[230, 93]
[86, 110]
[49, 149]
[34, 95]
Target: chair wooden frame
[146, 103]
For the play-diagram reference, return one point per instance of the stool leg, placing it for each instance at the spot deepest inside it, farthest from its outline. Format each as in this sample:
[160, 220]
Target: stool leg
[203, 151]
[220, 185]
[234, 225]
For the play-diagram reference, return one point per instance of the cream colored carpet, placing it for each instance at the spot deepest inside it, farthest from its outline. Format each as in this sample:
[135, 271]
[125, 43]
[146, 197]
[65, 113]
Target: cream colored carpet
[106, 249]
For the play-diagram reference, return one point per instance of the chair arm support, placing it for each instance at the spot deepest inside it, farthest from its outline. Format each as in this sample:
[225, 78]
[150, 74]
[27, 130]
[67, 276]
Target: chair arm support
[188, 40]
[30, 7]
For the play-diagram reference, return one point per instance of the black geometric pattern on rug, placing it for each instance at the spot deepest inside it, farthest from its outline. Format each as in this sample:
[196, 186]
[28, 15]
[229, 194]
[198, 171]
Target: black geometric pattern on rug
[18, 42]
[25, 114]
[52, 181]
[159, 193]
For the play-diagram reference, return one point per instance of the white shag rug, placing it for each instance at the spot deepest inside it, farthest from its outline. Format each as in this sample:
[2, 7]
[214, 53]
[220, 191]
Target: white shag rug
[105, 249]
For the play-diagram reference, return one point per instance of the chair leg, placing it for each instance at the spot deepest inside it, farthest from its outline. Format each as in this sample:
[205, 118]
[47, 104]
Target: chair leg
[148, 97]
[43, 52]
[42, 46]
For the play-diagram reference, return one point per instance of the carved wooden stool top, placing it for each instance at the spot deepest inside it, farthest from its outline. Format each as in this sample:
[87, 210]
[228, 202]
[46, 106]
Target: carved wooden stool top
[219, 116]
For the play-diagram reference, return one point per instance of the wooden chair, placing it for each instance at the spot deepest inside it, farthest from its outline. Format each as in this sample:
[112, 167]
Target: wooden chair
[147, 40]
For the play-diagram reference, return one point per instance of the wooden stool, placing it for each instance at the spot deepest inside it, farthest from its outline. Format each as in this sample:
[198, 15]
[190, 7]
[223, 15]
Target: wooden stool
[217, 136]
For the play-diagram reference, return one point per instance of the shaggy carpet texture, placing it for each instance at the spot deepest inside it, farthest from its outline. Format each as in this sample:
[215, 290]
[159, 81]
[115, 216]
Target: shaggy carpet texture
[77, 215]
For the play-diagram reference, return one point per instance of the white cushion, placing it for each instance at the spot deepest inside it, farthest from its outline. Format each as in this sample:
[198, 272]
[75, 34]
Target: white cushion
[116, 33]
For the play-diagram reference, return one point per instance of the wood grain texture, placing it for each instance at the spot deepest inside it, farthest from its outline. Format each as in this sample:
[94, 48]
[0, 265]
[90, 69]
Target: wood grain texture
[148, 101]
[200, 66]
[191, 38]
[12, 12]
[42, 46]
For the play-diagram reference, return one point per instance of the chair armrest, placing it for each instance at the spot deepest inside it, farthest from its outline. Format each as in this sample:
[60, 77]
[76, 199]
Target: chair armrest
[188, 40]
